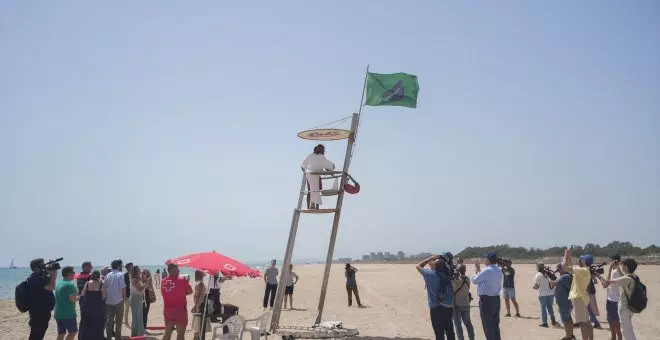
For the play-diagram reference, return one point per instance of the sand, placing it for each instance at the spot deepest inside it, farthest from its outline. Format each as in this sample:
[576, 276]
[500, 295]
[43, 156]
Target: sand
[396, 300]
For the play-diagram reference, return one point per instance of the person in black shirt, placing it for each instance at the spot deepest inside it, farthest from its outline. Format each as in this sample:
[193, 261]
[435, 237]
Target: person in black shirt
[42, 300]
[127, 280]
[509, 288]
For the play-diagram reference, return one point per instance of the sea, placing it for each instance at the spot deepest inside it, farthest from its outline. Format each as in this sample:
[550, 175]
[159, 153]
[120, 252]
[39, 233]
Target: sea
[10, 278]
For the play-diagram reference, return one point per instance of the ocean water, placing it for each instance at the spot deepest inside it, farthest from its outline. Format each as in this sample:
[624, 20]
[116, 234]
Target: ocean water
[10, 278]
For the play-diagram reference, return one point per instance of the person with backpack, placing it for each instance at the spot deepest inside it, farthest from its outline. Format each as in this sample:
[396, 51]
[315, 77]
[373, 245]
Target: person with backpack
[462, 299]
[633, 296]
[35, 296]
[440, 296]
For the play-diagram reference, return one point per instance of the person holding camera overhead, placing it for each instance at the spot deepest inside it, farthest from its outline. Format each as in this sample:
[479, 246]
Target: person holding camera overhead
[41, 285]
[613, 297]
[546, 292]
[509, 288]
[578, 294]
[489, 284]
[440, 296]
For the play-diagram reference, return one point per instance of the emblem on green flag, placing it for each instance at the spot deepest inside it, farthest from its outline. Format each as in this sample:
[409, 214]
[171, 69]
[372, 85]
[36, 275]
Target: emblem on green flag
[396, 89]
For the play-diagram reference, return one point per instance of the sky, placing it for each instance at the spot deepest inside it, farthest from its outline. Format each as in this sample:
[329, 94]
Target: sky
[149, 130]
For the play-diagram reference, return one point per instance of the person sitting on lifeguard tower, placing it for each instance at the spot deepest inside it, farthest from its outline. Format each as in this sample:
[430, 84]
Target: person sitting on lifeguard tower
[316, 162]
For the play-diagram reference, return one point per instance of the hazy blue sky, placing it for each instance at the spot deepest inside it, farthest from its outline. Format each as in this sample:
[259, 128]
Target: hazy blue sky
[151, 129]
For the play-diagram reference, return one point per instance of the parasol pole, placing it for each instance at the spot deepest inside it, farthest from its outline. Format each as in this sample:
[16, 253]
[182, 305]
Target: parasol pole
[206, 304]
[340, 199]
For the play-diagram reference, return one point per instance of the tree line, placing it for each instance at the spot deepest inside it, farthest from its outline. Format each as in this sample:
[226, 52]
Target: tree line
[507, 251]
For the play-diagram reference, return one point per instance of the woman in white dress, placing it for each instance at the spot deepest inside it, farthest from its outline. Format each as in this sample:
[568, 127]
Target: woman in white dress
[315, 162]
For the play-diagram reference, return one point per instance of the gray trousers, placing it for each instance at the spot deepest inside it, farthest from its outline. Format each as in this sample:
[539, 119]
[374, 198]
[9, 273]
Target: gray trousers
[463, 314]
[115, 314]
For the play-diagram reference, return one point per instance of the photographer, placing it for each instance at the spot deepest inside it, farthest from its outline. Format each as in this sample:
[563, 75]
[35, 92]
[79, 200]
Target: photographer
[509, 288]
[546, 292]
[613, 298]
[42, 301]
[489, 284]
[579, 295]
[462, 299]
[440, 296]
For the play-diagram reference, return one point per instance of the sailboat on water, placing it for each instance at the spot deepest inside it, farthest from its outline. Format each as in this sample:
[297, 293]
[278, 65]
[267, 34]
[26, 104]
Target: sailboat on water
[11, 265]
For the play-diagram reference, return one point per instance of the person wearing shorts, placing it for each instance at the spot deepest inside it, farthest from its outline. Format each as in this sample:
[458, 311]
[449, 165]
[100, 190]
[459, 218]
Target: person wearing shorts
[174, 289]
[613, 297]
[579, 295]
[562, 290]
[291, 280]
[66, 295]
[509, 288]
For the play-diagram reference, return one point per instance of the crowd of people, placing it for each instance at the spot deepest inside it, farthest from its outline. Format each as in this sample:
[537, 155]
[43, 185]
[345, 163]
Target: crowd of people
[106, 297]
[573, 291]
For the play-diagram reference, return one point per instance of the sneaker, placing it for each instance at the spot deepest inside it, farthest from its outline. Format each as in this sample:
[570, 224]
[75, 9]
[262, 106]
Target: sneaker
[555, 324]
[598, 326]
[507, 315]
[544, 325]
[517, 315]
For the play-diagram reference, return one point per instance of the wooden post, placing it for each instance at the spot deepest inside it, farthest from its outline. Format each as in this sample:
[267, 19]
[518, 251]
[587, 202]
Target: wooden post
[335, 223]
[279, 296]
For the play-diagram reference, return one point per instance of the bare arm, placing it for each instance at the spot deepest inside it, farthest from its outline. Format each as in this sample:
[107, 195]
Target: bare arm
[420, 266]
[51, 283]
[566, 262]
[189, 290]
[123, 293]
[296, 277]
[84, 290]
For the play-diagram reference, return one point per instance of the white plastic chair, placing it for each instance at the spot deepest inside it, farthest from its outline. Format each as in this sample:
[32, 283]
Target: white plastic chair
[235, 324]
[260, 326]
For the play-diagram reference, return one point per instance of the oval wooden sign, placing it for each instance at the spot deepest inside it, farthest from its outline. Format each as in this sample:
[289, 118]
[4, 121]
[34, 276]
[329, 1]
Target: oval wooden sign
[324, 134]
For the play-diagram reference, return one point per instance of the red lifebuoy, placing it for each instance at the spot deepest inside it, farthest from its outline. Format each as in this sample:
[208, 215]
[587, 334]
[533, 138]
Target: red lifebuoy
[352, 189]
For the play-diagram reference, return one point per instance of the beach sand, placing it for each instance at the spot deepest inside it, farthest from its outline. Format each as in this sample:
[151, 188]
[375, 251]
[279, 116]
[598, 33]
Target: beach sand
[396, 300]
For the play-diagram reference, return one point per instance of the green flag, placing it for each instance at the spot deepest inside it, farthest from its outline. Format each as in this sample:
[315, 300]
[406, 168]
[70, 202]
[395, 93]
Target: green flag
[396, 89]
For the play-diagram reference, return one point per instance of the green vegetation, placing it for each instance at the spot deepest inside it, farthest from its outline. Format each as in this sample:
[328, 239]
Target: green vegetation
[506, 251]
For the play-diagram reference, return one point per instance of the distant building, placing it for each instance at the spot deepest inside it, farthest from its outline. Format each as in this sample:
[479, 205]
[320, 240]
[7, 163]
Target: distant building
[366, 258]
[401, 255]
[345, 259]
[373, 257]
[380, 256]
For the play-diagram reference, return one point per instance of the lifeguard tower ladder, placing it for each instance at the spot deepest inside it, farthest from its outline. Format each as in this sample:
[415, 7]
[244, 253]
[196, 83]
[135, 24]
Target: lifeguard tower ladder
[319, 135]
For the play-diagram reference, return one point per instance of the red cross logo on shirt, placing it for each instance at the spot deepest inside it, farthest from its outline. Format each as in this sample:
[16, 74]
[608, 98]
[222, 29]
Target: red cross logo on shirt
[169, 285]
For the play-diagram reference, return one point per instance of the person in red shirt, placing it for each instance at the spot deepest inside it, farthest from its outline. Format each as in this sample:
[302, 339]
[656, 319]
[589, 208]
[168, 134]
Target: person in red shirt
[175, 289]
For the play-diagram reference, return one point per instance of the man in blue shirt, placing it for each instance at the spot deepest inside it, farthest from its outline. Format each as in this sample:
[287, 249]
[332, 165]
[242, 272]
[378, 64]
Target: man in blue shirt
[440, 296]
[562, 289]
[489, 285]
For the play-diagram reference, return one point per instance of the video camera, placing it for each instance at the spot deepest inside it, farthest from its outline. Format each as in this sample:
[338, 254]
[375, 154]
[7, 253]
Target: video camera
[597, 269]
[51, 265]
[448, 259]
[501, 262]
[549, 273]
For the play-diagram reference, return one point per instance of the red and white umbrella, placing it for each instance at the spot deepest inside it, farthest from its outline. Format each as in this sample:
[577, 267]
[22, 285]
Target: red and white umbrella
[212, 262]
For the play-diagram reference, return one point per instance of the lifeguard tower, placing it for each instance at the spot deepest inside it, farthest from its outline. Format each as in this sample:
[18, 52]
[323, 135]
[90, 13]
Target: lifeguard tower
[319, 330]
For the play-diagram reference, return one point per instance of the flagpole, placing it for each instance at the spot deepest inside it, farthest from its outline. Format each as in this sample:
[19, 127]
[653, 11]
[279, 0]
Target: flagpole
[355, 122]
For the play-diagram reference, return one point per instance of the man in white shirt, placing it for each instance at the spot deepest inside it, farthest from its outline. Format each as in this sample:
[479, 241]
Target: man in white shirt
[316, 162]
[546, 292]
[613, 297]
